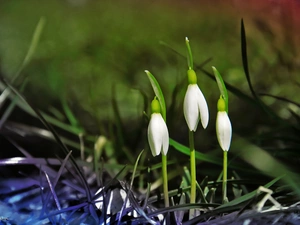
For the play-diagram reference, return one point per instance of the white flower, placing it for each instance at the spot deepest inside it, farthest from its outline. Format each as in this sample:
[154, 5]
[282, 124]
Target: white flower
[224, 130]
[195, 106]
[158, 135]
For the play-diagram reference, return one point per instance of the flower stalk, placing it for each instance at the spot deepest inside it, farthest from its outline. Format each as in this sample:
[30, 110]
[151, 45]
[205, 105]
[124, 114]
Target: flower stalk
[224, 183]
[193, 172]
[195, 109]
[158, 138]
[164, 164]
[223, 128]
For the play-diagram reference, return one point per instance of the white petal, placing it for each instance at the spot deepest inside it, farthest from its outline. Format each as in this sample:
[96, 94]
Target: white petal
[190, 108]
[224, 130]
[195, 105]
[158, 135]
[203, 108]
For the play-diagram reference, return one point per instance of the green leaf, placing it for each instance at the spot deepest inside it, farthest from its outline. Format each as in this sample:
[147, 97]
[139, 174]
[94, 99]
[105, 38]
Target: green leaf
[71, 117]
[185, 150]
[34, 41]
[250, 195]
[247, 73]
[158, 92]
[245, 58]
[265, 162]
[221, 85]
[56, 136]
[135, 167]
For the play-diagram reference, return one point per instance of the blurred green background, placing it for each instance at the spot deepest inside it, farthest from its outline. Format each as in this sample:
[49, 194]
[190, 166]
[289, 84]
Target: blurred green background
[91, 51]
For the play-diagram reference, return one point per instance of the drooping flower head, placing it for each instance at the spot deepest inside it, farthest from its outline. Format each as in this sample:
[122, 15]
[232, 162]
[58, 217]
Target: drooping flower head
[223, 126]
[158, 135]
[194, 106]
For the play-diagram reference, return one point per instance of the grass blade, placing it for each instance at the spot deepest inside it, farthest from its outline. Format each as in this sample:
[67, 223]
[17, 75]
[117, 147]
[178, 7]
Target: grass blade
[52, 191]
[185, 150]
[59, 173]
[246, 70]
[248, 196]
[34, 42]
[245, 58]
[72, 119]
[58, 140]
[130, 187]
[264, 162]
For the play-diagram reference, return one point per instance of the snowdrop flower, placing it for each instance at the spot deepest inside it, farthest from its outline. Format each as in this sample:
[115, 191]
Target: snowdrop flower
[223, 126]
[158, 135]
[194, 105]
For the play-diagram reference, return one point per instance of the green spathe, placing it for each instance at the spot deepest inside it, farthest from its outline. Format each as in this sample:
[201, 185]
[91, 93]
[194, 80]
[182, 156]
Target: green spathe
[222, 88]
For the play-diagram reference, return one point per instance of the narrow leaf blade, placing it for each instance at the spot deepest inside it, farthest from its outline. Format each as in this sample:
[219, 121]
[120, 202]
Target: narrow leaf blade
[221, 86]
[158, 92]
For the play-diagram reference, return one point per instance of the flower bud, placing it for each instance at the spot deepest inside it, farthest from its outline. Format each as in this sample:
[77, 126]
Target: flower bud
[158, 135]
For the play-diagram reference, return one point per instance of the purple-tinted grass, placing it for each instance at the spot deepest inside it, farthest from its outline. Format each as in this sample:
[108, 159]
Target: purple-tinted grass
[53, 194]
[54, 184]
[29, 161]
[46, 168]
[58, 141]
[28, 193]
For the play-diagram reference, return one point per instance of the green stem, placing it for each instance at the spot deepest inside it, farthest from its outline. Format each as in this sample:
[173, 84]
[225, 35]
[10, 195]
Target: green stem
[193, 172]
[224, 186]
[190, 55]
[165, 179]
